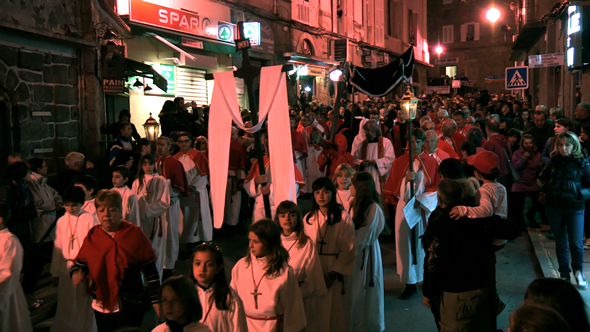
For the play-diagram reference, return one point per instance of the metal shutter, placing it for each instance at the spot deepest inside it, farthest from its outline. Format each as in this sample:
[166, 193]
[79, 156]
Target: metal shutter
[191, 84]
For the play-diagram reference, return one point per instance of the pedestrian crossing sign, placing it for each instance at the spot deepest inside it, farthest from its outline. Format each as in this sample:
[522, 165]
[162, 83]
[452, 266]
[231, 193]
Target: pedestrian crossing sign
[517, 78]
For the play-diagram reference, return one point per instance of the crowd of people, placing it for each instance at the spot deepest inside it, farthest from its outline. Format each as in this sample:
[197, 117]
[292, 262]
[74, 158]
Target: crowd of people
[449, 207]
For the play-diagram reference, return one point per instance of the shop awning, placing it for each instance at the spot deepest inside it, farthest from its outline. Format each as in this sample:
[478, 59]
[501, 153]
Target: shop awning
[176, 38]
[136, 68]
[294, 57]
[528, 37]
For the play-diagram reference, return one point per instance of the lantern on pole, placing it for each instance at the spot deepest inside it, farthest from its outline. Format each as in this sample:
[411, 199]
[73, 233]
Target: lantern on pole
[409, 105]
[152, 128]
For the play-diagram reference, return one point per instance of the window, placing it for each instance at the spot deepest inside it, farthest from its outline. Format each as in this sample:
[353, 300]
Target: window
[447, 34]
[470, 31]
[451, 71]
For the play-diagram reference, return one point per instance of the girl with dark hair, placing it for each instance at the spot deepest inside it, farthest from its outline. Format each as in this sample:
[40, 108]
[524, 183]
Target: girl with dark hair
[223, 310]
[303, 258]
[153, 198]
[266, 283]
[561, 296]
[523, 120]
[367, 277]
[332, 230]
[180, 306]
[561, 126]
[527, 161]
[534, 318]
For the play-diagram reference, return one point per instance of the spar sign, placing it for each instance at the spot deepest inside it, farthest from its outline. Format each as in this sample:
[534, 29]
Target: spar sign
[178, 20]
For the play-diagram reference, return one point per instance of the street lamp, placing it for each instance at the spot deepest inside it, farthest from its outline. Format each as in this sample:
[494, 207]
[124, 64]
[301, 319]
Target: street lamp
[152, 128]
[438, 50]
[335, 75]
[493, 15]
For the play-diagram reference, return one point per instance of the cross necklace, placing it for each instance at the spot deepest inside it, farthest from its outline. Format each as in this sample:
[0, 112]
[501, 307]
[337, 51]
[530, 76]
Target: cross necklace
[322, 237]
[256, 285]
[71, 232]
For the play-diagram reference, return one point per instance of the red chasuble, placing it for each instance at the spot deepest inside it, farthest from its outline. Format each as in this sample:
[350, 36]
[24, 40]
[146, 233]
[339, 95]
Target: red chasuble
[336, 157]
[108, 257]
[458, 139]
[254, 172]
[172, 170]
[447, 148]
[298, 142]
[398, 172]
[199, 158]
[237, 156]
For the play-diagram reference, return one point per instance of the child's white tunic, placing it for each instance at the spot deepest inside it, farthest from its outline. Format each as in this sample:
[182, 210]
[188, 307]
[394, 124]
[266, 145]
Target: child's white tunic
[74, 305]
[14, 314]
[279, 297]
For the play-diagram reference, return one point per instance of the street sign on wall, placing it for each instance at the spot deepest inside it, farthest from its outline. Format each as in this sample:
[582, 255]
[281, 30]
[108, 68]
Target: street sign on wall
[545, 60]
[517, 78]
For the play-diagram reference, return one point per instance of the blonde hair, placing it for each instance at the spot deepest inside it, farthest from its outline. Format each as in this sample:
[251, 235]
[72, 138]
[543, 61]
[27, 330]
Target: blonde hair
[110, 198]
[572, 139]
[343, 169]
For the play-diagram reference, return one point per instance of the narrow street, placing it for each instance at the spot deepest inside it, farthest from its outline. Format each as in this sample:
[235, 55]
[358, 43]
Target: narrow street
[515, 270]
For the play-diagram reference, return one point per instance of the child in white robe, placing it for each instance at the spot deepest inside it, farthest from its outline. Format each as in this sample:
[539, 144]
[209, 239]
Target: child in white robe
[130, 206]
[304, 260]
[153, 198]
[332, 231]
[342, 178]
[266, 283]
[74, 304]
[14, 314]
[179, 306]
[89, 185]
[367, 278]
[223, 310]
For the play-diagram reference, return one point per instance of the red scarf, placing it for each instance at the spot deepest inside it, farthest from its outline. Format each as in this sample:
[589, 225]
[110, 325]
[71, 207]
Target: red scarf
[108, 257]
[199, 159]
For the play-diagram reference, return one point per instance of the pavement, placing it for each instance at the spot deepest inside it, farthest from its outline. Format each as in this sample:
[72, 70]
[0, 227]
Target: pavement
[544, 248]
[530, 256]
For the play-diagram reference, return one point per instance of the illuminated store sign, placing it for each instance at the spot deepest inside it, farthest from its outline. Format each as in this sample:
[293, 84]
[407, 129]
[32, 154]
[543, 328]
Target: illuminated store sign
[180, 20]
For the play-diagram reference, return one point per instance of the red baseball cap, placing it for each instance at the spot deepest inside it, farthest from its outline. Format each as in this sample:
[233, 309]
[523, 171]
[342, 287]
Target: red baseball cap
[484, 162]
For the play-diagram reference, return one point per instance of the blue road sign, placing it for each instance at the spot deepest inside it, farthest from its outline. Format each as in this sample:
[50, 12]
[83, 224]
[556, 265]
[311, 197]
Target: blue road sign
[517, 78]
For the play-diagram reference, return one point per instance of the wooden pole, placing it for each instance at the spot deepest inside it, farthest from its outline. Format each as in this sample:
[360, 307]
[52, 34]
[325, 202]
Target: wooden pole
[248, 72]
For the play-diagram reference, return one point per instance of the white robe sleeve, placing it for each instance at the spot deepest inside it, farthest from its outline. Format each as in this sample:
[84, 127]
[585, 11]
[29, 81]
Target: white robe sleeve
[157, 200]
[344, 264]
[313, 283]
[237, 313]
[133, 209]
[292, 303]
[384, 164]
[9, 250]
[368, 234]
[57, 260]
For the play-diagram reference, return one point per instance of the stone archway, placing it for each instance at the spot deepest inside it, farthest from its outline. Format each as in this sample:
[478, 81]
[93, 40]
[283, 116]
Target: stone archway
[306, 47]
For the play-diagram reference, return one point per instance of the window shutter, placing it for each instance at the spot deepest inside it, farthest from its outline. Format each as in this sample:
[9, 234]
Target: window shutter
[476, 37]
[379, 26]
[463, 32]
[191, 84]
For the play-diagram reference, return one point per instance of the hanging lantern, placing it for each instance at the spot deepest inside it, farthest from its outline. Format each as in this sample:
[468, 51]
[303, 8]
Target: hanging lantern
[409, 105]
[152, 128]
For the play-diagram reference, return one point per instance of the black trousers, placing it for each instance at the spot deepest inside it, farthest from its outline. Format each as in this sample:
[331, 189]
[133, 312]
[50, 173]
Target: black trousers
[131, 317]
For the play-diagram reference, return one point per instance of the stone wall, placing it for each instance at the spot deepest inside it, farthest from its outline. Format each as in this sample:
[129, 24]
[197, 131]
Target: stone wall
[41, 82]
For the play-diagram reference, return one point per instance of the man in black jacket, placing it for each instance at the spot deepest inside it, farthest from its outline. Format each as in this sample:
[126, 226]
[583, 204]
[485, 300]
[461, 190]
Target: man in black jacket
[457, 264]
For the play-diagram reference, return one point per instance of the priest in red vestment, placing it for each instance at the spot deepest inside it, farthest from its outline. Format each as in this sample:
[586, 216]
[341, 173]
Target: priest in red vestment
[412, 213]
[452, 137]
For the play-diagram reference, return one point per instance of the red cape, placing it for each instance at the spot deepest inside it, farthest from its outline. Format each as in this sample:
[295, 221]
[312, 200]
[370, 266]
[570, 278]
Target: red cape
[447, 148]
[336, 157]
[108, 257]
[199, 158]
[173, 170]
[398, 173]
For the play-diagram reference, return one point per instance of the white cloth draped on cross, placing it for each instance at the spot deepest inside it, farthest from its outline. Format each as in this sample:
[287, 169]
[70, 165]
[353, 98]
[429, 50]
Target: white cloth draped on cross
[225, 109]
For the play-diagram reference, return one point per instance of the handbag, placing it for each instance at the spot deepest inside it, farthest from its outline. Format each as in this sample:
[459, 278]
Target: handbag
[511, 170]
